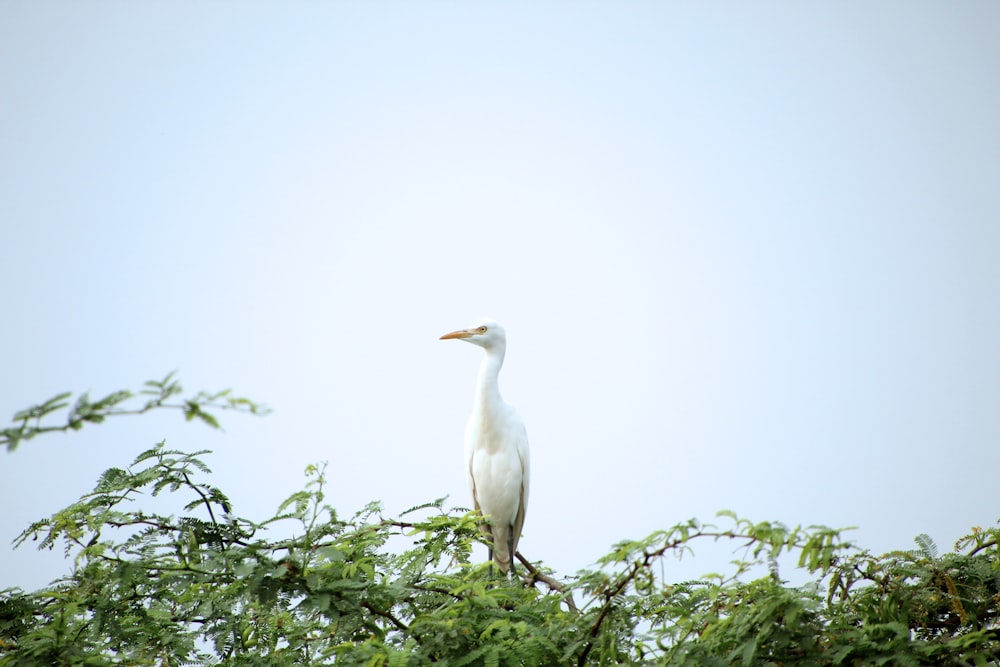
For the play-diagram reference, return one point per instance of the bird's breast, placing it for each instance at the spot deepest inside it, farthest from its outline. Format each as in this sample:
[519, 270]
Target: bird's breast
[493, 431]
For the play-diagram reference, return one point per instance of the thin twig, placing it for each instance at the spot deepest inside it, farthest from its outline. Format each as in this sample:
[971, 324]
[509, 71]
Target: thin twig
[386, 615]
[553, 584]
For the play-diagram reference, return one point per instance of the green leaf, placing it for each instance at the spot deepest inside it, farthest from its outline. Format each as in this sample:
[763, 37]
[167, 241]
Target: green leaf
[57, 402]
[434, 504]
[927, 547]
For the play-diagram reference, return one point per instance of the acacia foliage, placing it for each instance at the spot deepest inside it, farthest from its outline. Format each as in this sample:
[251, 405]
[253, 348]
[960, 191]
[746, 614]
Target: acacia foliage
[155, 395]
[204, 586]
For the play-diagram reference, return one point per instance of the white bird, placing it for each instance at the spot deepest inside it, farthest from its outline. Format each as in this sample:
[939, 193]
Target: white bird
[496, 447]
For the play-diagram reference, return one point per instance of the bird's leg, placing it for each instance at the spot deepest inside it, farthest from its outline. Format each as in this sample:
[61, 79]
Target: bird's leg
[488, 532]
[510, 551]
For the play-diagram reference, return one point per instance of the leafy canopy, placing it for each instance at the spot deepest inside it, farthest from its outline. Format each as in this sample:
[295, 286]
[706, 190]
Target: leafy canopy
[307, 586]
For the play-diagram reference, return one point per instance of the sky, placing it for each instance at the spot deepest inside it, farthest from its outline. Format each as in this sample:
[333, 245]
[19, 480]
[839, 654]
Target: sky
[747, 254]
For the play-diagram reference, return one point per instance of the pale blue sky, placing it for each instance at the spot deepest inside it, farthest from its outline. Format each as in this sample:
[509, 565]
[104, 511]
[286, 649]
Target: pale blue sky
[746, 253]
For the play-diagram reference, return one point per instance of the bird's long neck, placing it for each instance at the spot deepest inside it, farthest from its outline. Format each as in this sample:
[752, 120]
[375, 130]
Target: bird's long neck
[487, 385]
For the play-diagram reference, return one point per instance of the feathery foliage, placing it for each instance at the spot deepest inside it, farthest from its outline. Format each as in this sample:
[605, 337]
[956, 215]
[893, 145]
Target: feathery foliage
[310, 587]
[155, 395]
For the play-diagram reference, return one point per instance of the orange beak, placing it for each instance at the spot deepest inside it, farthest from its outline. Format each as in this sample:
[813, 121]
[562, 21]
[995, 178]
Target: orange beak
[464, 333]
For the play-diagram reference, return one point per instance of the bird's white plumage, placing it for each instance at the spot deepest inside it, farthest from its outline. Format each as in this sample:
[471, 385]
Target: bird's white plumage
[496, 446]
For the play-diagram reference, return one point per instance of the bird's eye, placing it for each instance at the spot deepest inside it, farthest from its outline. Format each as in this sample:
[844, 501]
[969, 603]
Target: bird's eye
[482, 329]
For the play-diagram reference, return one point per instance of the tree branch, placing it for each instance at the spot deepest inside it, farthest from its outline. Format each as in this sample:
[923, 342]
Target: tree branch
[553, 584]
[28, 422]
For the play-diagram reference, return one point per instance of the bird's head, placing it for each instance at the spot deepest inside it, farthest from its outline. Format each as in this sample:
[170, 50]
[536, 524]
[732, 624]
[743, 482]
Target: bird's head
[484, 333]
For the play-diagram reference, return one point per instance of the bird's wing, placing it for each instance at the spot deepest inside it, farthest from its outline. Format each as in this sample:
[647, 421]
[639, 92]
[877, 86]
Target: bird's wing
[524, 458]
[470, 454]
[472, 480]
[519, 520]
[522, 502]
[484, 527]
[475, 496]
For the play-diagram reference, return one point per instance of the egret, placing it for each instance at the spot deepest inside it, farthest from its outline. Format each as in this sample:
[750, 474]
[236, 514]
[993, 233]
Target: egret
[496, 447]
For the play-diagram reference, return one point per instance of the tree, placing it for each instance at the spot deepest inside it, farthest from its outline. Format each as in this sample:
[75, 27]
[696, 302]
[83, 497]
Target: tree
[309, 587]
